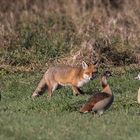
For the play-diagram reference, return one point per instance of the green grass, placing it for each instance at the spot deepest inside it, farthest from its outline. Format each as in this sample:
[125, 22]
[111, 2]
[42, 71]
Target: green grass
[58, 118]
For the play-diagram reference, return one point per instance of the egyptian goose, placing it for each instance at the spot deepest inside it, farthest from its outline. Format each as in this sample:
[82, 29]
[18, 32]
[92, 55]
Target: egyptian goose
[138, 97]
[100, 101]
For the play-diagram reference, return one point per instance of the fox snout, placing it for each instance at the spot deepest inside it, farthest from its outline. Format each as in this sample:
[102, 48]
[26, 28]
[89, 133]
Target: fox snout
[88, 77]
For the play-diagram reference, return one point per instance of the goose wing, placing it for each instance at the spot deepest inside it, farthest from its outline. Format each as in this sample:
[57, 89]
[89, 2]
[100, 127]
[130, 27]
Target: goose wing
[93, 100]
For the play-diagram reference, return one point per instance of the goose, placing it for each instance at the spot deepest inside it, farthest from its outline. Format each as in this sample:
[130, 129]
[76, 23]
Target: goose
[100, 101]
[138, 97]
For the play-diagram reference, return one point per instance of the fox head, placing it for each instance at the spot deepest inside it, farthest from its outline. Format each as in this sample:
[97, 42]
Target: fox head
[90, 71]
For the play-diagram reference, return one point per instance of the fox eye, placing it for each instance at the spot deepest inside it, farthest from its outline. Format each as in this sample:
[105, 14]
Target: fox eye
[87, 73]
[95, 72]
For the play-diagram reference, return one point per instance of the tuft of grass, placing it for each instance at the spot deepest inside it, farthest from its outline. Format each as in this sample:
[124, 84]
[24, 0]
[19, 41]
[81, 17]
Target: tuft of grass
[38, 42]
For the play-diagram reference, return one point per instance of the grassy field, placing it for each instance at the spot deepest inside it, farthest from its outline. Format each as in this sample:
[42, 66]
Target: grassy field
[35, 34]
[58, 118]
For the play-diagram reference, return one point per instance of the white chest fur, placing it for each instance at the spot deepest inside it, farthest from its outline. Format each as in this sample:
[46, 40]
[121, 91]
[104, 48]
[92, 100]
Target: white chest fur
[82, 82]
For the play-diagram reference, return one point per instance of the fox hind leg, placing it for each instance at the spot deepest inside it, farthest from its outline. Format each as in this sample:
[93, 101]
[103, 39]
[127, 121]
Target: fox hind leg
[52, 88]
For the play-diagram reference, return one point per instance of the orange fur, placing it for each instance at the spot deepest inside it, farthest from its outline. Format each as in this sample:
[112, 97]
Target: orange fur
[64, 75]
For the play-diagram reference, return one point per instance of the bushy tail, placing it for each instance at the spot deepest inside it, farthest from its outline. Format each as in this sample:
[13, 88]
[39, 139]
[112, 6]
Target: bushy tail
[40, 88]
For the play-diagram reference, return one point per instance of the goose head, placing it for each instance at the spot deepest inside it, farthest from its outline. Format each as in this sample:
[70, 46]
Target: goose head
[107, 74]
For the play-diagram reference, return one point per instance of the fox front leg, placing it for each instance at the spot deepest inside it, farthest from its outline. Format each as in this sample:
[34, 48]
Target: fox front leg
[76, 90]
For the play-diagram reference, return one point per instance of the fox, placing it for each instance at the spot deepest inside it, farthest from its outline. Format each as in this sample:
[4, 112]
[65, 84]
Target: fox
[65, 75]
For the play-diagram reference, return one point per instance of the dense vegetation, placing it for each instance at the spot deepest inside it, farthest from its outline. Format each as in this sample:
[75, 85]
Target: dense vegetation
[34, 34]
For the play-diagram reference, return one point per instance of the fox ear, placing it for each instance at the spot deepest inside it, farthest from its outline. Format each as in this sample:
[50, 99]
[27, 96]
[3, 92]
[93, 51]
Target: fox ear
[84, 65]
[96, 64]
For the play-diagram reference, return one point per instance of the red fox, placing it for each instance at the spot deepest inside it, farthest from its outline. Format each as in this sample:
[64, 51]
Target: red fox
[58, 76]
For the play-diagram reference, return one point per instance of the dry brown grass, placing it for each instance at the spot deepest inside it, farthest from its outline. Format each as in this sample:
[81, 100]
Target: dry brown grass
[111, 28]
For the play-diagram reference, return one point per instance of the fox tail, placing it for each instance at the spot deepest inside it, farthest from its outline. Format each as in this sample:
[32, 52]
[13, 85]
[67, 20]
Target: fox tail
[40, 88]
